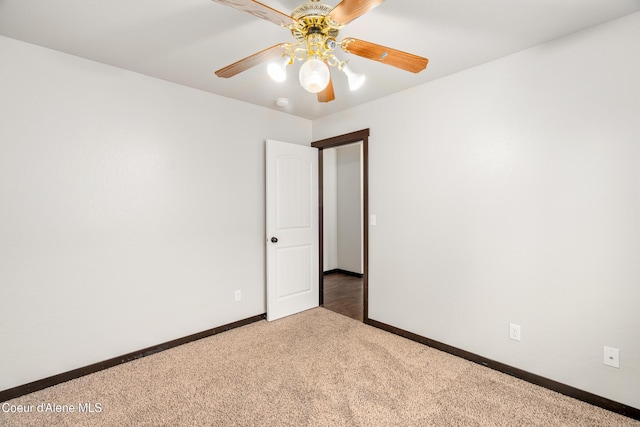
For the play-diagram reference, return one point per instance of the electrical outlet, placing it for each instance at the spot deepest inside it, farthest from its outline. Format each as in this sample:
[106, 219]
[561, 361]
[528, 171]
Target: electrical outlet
[611, 357]
[514, 332]
[238, 295]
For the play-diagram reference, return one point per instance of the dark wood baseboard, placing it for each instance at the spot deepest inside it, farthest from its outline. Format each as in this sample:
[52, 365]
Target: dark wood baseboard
[341, 271]
[556, 386]
[21, 390]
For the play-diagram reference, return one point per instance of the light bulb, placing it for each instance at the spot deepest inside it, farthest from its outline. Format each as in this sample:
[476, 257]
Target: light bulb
[314, 75]
[278, 70]
[355, 80]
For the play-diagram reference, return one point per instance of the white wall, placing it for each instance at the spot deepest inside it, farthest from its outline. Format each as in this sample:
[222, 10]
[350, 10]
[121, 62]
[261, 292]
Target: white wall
[342, 208]
[510, 192]
[131, 209]
[349, 171]
[330, 209]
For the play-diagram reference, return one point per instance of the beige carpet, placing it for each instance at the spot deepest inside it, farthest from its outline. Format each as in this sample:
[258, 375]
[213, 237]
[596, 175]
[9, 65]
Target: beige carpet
[316, 368]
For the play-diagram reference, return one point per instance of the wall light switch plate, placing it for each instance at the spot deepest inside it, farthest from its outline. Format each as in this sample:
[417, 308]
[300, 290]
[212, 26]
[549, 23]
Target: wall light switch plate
[611, 357]
[372, 220]
[514, 332]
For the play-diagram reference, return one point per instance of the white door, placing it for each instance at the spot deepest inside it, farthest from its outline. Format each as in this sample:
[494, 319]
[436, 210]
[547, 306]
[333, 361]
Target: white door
[292, 228]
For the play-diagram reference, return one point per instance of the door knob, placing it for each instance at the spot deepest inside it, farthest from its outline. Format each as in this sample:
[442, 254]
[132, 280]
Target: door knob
[274, 240]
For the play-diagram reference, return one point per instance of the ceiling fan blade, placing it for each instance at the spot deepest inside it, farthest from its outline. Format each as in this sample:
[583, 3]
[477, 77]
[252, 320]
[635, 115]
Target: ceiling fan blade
[272, 52]
[348, 10]
[386, 55]
[327, 95]
[260, 10]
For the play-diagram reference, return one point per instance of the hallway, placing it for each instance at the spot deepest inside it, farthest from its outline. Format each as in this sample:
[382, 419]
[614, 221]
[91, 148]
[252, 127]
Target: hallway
[343, 294]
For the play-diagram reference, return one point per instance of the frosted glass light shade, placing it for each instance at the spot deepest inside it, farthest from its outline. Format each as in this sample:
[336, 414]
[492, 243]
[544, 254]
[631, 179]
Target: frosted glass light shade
[314, 75]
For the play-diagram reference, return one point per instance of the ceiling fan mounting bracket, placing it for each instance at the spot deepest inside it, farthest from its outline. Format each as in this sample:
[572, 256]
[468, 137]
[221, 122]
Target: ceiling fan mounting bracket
[311, 9]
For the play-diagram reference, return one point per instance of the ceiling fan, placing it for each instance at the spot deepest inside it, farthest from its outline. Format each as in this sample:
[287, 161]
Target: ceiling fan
[315, 27]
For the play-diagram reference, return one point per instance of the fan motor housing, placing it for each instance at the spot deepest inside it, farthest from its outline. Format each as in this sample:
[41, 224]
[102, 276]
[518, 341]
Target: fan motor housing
[312, 19]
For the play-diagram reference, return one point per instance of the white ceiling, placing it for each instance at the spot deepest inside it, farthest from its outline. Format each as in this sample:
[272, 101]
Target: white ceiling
[185, 41]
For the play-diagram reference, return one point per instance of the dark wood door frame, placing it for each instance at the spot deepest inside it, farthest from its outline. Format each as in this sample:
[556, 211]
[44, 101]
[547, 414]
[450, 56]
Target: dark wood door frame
[337, 141]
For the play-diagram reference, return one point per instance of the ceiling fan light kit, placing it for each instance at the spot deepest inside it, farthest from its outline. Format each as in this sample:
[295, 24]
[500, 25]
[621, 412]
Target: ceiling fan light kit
[315, 26]
[355, 80]
[278, 70]
[314, 75]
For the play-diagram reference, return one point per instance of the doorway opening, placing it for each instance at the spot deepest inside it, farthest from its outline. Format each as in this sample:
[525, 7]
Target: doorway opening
[360, 139]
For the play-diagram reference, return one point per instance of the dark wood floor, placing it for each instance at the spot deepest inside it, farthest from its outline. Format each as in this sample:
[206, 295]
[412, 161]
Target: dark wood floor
[343, 294]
